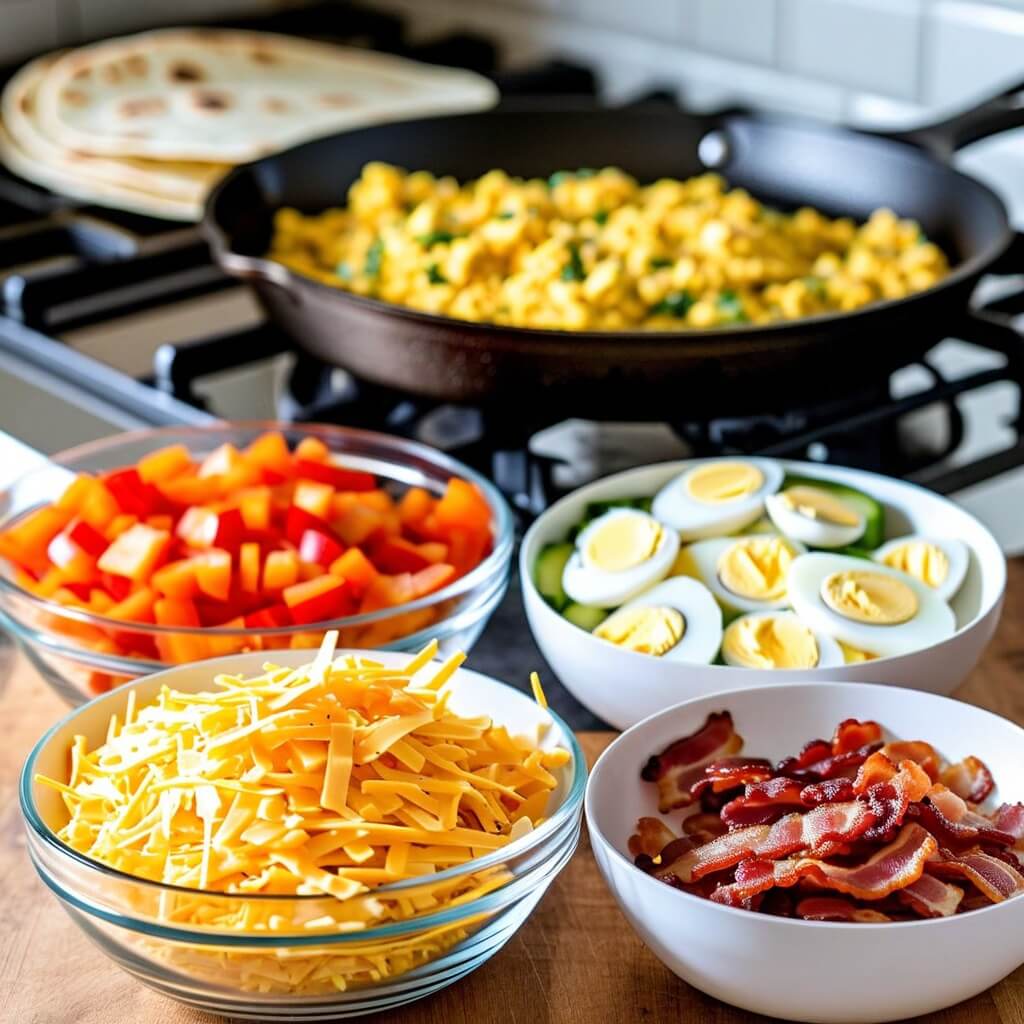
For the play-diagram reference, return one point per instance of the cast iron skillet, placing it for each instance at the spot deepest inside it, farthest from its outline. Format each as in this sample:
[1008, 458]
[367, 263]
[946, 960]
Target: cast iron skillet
[785, 162]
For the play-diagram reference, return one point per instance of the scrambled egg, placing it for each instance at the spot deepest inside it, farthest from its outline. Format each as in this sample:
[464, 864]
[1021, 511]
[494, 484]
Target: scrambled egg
[595, 250]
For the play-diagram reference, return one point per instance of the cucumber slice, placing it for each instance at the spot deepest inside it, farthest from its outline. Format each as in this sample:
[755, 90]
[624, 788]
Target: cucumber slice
[547, 574]
[584, 616]
[871, 510]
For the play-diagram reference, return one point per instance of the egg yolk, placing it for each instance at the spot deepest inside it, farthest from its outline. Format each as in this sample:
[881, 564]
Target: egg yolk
[623, 542]
[756, 567]
[651, 630]
[871, 597]
[925, 562]
[814, 503]
[854, 655]
[771, 642]
[721, 482]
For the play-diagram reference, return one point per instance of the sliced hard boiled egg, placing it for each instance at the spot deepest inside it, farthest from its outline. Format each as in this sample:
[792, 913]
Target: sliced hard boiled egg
[815, 516]
[717, 497]
[867, 606]
[618, 556]
[746, 574]
[777, 640]
[939, 562]
[677, 619]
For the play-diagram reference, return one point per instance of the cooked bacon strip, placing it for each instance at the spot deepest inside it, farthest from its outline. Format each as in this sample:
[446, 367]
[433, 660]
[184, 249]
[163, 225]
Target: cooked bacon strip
[970, 779]
[945, 815]
[816, 750]
[682, 763]
[852, 735]
[727, 773]
[820, 831]
[651, 837]
[764, 802]
[704, 827]
[931, 897]
[1010, 819]
[993, 876]
[835, 908]
[836, 765]
[914, 750]
[890, 799]
[828, 791]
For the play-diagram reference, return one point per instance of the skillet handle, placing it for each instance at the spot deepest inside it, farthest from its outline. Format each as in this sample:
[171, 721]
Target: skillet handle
[999, 113]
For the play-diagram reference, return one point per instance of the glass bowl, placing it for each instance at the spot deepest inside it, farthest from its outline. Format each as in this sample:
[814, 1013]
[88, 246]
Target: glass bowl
[302, 963]
[80, 653]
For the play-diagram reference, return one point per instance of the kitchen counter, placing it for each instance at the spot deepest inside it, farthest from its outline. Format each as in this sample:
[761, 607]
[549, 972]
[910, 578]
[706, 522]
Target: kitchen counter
[575, 961]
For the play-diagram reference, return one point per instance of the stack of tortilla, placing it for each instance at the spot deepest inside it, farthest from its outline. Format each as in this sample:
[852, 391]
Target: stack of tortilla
[149, 123]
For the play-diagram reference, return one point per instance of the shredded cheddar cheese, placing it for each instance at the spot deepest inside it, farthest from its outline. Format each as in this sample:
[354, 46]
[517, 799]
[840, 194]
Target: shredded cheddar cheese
[330, 780]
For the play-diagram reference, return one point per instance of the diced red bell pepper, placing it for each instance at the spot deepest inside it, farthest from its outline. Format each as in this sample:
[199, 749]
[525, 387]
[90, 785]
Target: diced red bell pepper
[271, 617]
[164, 464]
[313, 498]
[132, 494]
[136, 553]
[319, 548]
[298, 521]
[394, 555]
[318, 600]
[202, 527]
[213, 573]
[79, 591]
[86, 537]
[118, 587]
[338, 477]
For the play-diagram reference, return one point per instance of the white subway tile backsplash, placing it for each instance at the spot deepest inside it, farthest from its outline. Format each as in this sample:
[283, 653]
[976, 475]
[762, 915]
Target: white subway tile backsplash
[971, 49]
[865, 44]
[741, 29]
[663, 19]
[29, 26]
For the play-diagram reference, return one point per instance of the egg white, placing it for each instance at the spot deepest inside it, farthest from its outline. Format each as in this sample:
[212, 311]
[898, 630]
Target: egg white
[702, 616]
[830, 654]
[697, 519]
[955, 550]
[933, 622]
[591, 585]
[816, 532]
[703, 559]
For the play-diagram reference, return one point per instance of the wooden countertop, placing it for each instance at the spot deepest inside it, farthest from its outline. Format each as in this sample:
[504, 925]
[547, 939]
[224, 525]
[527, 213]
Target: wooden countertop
[575, 961]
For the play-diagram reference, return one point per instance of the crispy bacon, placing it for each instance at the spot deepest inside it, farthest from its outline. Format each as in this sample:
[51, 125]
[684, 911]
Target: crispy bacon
[835, 765]
[852, 735]
[651, 837]
[931, 897]
[704, 827]
[889, 800]
[682, 763]
[764, 802]
[949, 818]
[816, 750]
[914, 750]
[993, 876]
[1009, 818]
[970, 779]
[835, 908]
[727, 773]
[828, 791]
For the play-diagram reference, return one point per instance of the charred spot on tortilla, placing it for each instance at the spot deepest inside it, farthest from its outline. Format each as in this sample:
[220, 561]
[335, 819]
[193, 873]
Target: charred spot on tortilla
[275, 105]
[208, 99]
[80, 73]
[25, 102]
[74, 97]
[136, 64]
[112, 73]
[263, 57]
[183, 71]
[338, 99]
[143, 106]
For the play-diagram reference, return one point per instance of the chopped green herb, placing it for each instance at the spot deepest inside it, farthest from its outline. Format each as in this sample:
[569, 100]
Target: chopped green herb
[558, 177]
[601, 217]
[344, 271]
[660, 261]
[676, 304]
[922, 238]
[434, 238]
[374, 255]
[505, 215]
[816, 286]
[434, 276]
[573, 270]
[586, 172]
[730, 305]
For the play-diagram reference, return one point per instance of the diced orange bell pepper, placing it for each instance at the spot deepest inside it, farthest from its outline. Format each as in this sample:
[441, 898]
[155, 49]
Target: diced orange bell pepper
[121, 523]
[254, 503]
[310, 570]
[98, 506]
[415, 505]
[312, 449]
[176, 579]
[164, 464]
[387, 592]
[202, 527]
[220, 461]
[137, 607]
[394, 555]
[432, 579]
[249, 567]
[161, 522]
[178, 648]
[318, 600]
[360, 525]
[270, 452]
[25, 542]
[213, 573]
[466, 548]
[136, 553]
[76, 493]
[188, 489]
[223, 645]
[174, 611]
[313, 497]
[280, 570]
[356, 569]
[462, 505]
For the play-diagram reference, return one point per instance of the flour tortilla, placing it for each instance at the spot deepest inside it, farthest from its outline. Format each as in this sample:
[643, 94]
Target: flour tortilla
[120, 197]
[186, 181]
[229, 96]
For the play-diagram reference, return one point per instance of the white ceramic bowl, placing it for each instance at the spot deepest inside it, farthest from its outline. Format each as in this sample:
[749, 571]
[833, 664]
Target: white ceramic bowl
[807, 970]
[202, 966]
[623, 687]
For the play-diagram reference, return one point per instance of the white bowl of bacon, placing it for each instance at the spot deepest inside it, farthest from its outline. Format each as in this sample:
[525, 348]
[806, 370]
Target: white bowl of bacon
[870, 876]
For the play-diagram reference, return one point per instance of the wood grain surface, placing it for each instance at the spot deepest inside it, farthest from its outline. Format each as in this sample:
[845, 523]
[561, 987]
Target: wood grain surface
[575, 960]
